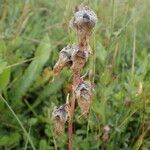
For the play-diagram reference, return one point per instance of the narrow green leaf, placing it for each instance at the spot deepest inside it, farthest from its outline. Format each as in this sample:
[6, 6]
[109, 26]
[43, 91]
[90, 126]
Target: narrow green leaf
[4, 79]
[2, 48]
[3, 64]
[4, 73]
[9, 139]
[43, 145]
[101, 53]
[139, 142]
[32, 72]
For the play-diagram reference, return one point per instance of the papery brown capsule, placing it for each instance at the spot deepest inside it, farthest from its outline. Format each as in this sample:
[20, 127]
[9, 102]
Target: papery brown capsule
[60, 116]
[77, 52]
[64, 59]
[83, 94]
[79, 57]
[84, 17]
[71, 56]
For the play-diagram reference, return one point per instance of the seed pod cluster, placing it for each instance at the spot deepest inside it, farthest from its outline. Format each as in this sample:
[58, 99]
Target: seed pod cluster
[84, 94]
[60, 115]
[68, 57]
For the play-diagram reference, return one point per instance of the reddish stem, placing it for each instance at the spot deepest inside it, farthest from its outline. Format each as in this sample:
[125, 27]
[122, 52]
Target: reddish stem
[76, 81]
[71, 122]
[79, 63]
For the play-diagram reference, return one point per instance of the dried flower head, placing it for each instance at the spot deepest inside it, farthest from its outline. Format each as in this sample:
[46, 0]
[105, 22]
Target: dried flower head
[83, 94]
[84, 17]
[60, 116]
[64, 59]
[106, 132]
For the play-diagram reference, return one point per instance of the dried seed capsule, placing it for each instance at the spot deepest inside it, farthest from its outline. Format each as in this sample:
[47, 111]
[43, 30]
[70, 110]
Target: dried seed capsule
[71, 55]
[79, 57]
[64, 59]
[83, 94]
[84, 17]
[106, 131]
[60, 116]
[77, 52]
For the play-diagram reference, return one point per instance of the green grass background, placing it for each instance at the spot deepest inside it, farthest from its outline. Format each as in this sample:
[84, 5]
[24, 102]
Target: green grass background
[32, 32]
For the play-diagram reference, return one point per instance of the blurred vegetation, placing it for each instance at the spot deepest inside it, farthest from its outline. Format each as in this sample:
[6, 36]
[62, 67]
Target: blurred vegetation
[32, 32]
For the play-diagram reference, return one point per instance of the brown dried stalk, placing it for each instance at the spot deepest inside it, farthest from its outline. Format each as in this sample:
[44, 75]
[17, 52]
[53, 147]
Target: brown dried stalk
[83, 21]
[76, 56]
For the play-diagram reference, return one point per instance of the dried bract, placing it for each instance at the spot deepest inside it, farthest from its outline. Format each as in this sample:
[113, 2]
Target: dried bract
[64, 59]
[83, 94]
[77, 52]
[60, 116]
[71, 56]
[79, 57]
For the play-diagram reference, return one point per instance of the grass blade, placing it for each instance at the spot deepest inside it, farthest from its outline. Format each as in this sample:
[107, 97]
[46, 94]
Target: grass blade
[18, 120]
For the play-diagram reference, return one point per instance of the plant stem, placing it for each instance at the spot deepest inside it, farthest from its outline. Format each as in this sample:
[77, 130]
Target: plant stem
[76, 81]
[79, 60]
[70, 129]
[134, 45]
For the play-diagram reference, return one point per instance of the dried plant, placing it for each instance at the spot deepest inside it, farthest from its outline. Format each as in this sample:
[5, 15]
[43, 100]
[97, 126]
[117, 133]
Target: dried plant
[75, 56]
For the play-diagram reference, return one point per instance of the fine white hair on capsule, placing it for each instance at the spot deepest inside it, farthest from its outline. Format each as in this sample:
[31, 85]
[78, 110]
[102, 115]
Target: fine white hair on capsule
[84, 16]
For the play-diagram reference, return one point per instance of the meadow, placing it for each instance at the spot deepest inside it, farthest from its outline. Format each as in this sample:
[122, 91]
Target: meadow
[32, 32]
